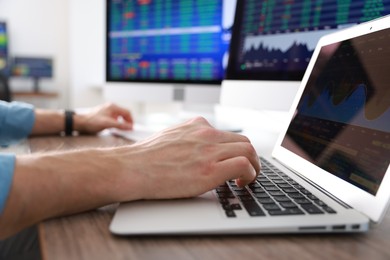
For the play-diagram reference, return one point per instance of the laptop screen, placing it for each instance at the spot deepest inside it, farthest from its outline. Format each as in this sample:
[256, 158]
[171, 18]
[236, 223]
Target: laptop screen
[342, 121]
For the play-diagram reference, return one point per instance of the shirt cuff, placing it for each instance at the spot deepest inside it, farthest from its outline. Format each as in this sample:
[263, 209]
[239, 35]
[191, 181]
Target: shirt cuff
[17, 122]
[7, 167]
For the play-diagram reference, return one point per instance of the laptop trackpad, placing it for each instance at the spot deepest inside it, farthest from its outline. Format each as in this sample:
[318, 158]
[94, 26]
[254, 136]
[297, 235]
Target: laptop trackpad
[167, 216]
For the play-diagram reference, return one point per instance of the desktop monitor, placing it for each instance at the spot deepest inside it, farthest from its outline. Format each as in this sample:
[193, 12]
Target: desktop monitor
[32, 67]
[167, 50]
[3, 49]
[5, 93]
[272, 43]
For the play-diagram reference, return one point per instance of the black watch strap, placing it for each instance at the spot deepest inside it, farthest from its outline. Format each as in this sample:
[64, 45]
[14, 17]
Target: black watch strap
[69, 122]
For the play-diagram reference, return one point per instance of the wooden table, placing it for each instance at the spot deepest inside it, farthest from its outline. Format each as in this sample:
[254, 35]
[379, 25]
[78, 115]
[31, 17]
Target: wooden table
[32, 94]
[40, 99]
[86, 235]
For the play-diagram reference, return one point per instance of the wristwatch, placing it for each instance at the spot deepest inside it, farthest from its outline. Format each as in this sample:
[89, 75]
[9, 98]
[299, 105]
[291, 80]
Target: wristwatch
[69, 122]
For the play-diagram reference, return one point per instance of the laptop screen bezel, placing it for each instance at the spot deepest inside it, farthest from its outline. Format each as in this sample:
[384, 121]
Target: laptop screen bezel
[372, 206]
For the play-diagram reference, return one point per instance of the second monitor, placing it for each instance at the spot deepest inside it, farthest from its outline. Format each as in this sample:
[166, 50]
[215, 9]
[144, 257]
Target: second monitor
[34, 68]
[272, 43]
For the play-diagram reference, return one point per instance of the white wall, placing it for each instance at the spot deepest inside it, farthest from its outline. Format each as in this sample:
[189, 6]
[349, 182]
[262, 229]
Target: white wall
[87, 51]
[70, 31]
[40, 28]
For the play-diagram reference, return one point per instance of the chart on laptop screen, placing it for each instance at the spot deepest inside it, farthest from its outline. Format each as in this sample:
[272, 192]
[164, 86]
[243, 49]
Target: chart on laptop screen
[342, 121]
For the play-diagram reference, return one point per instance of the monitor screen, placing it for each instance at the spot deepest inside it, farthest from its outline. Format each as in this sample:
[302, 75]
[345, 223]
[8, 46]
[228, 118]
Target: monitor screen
[3, 48]
[32, 67]
[274, 39]
[169, 41]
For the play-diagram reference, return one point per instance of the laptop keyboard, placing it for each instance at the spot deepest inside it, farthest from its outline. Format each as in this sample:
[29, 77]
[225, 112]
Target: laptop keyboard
[272, 194]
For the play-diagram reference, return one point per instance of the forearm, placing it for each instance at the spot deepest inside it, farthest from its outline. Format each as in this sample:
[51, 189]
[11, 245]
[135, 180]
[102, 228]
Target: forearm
[50, 185]
[48, 122]
[180, 162]
[53, 122]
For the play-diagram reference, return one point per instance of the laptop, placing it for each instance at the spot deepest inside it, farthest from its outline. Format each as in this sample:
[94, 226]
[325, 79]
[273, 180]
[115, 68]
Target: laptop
[329, 169]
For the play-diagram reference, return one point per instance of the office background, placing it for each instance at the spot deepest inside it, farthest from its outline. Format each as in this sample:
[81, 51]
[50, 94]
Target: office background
[72, 33]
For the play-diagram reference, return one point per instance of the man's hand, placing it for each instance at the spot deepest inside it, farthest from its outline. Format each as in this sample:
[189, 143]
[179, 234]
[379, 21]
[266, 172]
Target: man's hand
[185, 161]
[102, 117]
[96, 119]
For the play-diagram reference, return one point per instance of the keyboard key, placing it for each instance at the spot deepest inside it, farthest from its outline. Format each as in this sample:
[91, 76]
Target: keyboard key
[302, 201]
[291, 211]
[281, 174]
[230, 213]
[241, 192]
[288, 205]
[257, 190]
[235, 206]
[276, 193]
[226, 195]
[266, 183]
[260, 195]
[329, 210]
[282, 199]
[226, 207]
[245, 198]
[253, 209]
[280, 182]
[312, 197]
[238, 189]
[271, 207]
[223, 189]
[311, 209]
[289, 190]
[284, 185]
[265, 200]
[296, 196]
[271, 188]
[275, 177]
[298, 186]
[320, 203]
[254, 185]
[223, 201]
[306, 192]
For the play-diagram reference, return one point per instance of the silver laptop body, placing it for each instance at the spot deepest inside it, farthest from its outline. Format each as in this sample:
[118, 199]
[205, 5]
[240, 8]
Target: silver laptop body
[335, 149]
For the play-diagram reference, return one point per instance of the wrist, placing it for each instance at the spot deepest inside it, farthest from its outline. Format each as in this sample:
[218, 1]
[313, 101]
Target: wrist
[78, 123]
[126, 179]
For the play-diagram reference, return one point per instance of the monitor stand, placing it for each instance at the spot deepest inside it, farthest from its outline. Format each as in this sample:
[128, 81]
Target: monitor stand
[5, 93]
[36, 85]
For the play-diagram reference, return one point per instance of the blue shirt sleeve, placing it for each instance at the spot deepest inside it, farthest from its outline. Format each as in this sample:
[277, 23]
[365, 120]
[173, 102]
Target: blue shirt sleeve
[7, 166]
[16, 121]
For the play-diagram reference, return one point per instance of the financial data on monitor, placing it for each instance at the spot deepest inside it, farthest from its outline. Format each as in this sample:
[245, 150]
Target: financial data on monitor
[277, 38]
[179, 41]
